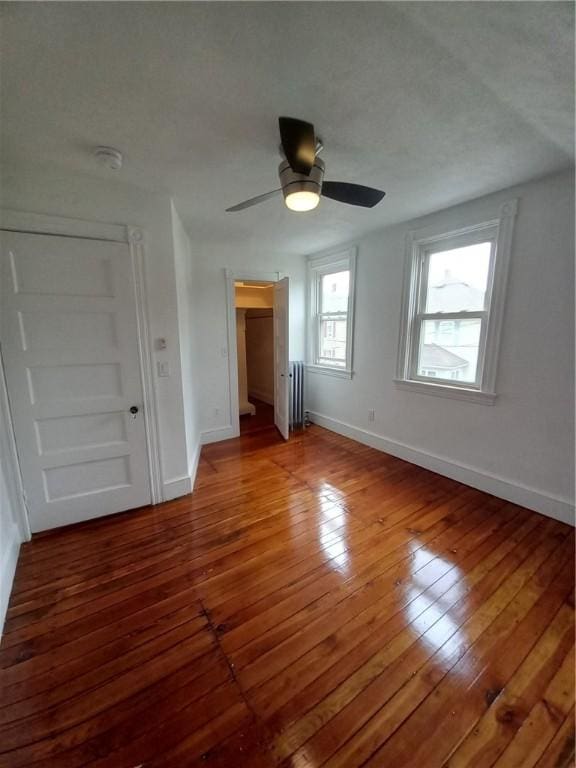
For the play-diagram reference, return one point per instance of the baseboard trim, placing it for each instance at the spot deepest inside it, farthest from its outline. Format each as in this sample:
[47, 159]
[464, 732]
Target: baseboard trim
[265, 397]
[176, 487]
[217, 434]
[551, 506]
[9, 561]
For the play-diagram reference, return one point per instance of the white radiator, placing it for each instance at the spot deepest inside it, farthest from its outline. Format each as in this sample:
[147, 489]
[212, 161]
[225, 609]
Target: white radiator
[296, 394]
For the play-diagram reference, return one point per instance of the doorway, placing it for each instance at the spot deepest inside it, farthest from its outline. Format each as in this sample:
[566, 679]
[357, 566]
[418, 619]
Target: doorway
[255, 351]
[257, 306]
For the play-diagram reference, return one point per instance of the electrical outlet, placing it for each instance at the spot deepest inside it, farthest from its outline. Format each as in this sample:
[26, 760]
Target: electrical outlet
[371, 415]
[216, 411]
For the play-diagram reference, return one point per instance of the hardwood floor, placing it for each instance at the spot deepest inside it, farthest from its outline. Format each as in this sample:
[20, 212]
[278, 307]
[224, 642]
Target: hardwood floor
[315, 603]
[262, 419]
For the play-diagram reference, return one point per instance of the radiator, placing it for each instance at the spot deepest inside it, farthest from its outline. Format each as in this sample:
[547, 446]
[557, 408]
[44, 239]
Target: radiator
[296, 394]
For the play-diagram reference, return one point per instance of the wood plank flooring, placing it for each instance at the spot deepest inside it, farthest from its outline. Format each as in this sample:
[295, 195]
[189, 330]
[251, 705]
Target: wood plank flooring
[262, 419]
[313, 603]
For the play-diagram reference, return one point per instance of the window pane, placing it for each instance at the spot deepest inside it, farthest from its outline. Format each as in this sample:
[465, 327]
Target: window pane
[449, 352]
[457, 279]
[334, 292]
[332, 342]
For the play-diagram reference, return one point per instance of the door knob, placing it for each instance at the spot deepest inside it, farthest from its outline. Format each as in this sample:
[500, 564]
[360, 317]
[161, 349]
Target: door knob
[134, 410]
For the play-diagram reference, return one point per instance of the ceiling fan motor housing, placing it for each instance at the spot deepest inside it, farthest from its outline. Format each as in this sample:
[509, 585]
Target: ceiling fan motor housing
[299, 182]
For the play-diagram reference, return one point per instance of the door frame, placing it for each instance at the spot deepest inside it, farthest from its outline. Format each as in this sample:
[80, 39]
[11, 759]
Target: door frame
[135, 238]
[16, 484]
[231, 276]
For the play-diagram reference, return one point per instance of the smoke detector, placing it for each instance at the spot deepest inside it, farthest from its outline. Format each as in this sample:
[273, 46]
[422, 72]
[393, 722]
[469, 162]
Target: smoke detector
[109, 157]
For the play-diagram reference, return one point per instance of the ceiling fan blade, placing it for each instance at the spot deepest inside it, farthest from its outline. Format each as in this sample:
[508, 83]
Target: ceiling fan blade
[353, 194]
[299, 144]
[253, 201]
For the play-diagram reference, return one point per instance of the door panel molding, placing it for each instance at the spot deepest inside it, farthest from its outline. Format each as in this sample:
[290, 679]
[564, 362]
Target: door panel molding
[16, 489]
[44, 224]
[135, 237]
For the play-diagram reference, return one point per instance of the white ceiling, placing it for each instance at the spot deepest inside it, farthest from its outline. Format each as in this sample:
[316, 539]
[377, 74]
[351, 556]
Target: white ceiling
[433, 102]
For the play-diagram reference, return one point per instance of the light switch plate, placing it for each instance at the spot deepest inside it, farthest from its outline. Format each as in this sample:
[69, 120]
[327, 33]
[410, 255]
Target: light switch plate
[163, 368]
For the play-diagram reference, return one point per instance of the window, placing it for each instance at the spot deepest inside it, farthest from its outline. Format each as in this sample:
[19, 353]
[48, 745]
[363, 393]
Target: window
[453, 309]
[331, 289]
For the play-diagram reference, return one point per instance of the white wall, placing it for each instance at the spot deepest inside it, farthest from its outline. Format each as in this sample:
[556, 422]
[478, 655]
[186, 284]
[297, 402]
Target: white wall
[107, 199]
[189, 351]
[520, 448]
[210, 296]
[13, 527]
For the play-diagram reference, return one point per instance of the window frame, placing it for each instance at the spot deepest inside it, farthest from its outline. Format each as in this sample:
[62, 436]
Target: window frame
[419, 246]
[318, 266]
[425, 250]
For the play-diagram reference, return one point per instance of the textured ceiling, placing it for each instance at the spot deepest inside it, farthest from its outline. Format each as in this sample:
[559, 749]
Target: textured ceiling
[434, 102]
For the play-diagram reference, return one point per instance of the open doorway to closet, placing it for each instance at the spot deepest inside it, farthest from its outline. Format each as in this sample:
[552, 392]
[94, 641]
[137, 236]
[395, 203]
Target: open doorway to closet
[255, 350]
[260, 287]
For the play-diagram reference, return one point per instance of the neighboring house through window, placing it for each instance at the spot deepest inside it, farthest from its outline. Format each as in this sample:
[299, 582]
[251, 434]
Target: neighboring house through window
[331, 310]
[453, 308]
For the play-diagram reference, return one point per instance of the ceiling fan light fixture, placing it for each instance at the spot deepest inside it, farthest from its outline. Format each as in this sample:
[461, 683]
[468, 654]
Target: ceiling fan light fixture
[301, 174]
[302, 200]
[301, 191]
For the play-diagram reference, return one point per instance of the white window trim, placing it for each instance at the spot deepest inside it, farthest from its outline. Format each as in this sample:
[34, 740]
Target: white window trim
[318, 266]
[500, 230]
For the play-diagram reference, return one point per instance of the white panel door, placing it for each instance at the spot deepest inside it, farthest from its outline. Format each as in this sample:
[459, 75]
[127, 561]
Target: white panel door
[281, 379]
[69, 340]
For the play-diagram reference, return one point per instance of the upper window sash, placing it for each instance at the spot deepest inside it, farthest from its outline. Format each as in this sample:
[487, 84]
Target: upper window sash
[452, 243]
[324, 267]
[461, 238]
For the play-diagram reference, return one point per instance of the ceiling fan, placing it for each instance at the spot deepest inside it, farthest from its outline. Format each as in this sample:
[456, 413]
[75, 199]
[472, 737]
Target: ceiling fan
[302, 174]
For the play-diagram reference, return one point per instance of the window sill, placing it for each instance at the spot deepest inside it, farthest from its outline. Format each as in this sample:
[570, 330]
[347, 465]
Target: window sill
[445, 390]
[339, 373]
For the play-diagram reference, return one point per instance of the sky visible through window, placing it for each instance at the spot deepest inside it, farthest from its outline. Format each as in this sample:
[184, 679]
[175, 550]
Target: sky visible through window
[461, 265]
[335, 291]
